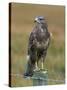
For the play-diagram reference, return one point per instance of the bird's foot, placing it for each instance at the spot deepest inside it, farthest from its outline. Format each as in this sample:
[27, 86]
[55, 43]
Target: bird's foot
[36, 69]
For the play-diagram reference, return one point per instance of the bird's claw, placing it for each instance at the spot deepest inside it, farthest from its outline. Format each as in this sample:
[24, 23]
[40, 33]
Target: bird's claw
[36, 69]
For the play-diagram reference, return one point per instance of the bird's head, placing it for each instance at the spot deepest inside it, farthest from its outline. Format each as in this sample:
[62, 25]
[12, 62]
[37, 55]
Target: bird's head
[39, 19]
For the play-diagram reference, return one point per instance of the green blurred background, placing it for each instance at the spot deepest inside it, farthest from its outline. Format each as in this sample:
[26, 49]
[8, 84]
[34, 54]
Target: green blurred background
[22, 22]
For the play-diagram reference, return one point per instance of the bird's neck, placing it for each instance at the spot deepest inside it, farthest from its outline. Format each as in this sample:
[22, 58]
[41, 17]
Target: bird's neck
[42, 27]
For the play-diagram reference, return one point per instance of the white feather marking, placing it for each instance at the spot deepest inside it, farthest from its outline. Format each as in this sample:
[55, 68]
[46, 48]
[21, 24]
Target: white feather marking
[28, 57]
[41, 30]
[51, 34]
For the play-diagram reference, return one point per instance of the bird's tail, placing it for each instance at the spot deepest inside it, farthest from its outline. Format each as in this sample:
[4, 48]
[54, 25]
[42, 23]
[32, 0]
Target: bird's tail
[29, 68]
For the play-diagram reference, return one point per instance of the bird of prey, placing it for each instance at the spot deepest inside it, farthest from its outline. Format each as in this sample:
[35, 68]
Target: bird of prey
[39, 41]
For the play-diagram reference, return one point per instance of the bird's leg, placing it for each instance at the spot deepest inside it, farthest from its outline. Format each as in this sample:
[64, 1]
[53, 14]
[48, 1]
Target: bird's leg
[42, 59]
[42, 64]
[36, 66]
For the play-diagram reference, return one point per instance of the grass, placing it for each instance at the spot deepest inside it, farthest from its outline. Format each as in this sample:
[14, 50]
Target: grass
[22, 17]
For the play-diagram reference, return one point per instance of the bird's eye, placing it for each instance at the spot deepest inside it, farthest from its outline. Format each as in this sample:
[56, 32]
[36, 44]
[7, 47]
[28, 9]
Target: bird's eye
[41, 19]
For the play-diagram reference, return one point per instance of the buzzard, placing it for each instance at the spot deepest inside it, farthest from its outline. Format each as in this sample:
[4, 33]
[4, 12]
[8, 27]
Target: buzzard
[39, 41]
